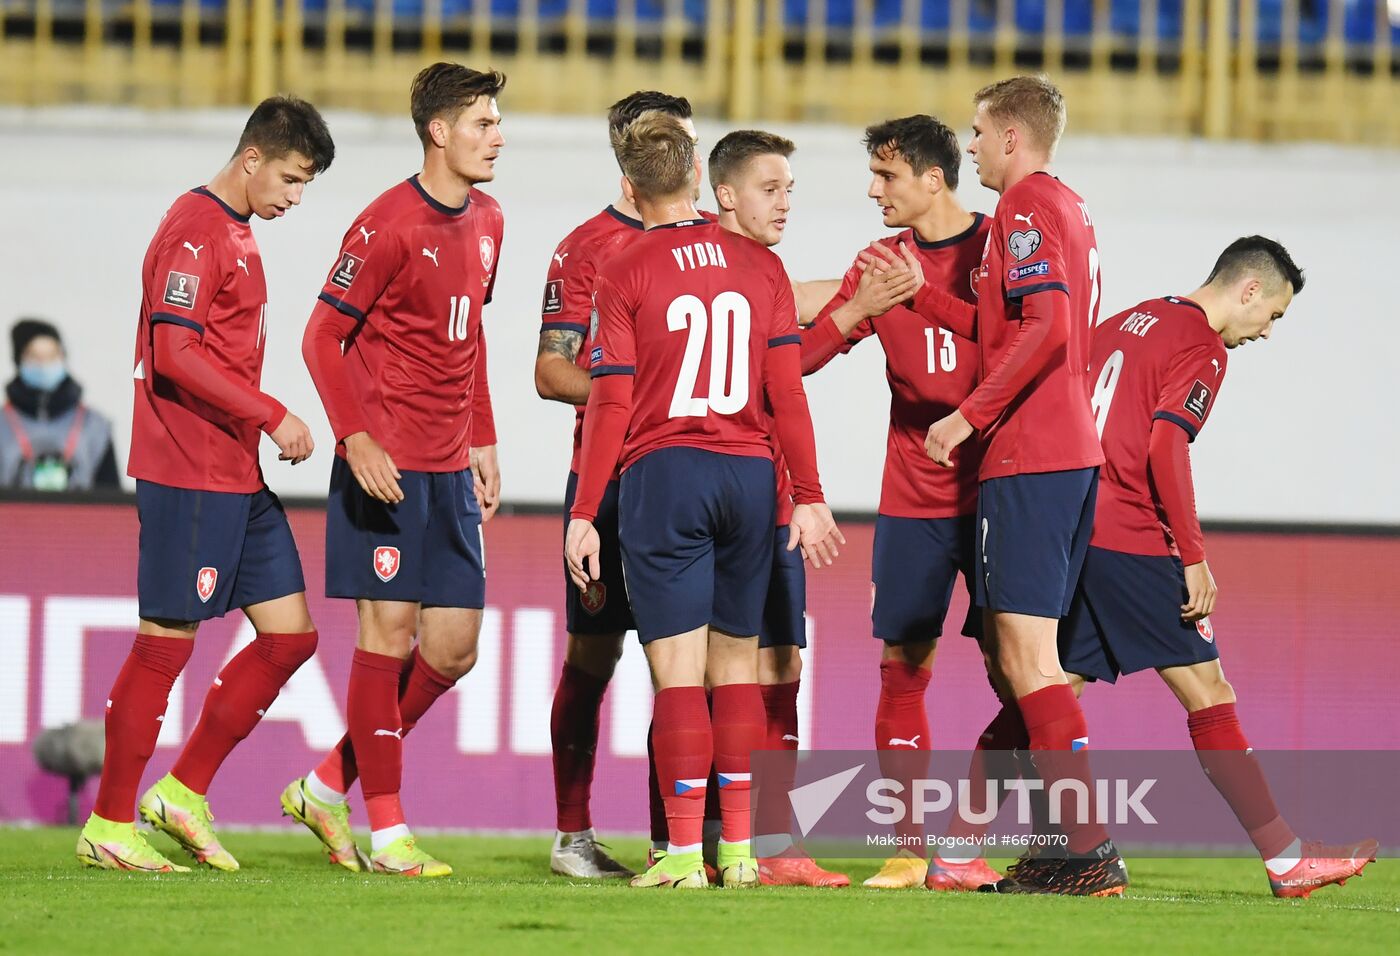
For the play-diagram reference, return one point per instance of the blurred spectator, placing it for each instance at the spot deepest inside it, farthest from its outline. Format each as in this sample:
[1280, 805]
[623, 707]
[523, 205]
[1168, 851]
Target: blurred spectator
[50, 440]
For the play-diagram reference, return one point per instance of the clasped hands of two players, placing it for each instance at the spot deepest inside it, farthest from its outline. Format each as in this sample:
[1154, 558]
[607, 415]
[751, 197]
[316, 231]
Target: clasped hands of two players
[903, 276]
[379, 477]
[812, 528]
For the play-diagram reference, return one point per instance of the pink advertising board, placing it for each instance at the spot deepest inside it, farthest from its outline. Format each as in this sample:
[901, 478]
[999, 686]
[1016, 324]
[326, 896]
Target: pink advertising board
[1306, 625]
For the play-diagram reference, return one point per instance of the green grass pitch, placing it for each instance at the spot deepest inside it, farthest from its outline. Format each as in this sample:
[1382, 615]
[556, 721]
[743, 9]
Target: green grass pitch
[288, 901]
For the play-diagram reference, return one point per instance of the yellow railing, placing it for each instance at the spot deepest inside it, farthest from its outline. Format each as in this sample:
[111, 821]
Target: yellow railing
[741, 60]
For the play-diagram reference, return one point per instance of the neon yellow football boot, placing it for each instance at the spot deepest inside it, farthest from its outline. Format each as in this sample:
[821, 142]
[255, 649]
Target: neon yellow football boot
[738, 870]
[105, 845]
[404, 858]
[184, 816]
[330, 822]
[677, 871]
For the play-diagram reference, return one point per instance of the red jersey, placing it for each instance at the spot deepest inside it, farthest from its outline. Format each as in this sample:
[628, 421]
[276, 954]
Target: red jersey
[930, 371]
[568, 286]
[690, 310]
[1042, 239]
[1159, 359]
[414, 275]
[202, 271]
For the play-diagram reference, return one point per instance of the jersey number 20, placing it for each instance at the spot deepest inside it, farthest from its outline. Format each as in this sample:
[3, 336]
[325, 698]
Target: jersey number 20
[726, 325]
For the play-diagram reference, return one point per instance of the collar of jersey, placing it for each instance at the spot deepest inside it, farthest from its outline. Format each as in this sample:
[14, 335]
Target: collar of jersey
[445, 210]
[204, 191]
[963, 236]
[1182, 300]
[623, 218]
[702, 221]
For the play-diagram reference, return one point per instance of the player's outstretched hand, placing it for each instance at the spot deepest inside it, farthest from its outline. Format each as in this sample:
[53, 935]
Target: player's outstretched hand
[581, 547]
[813, 527]
[293, 440]
[1200, 593]
[373, 468]
[944, 435]
[486, 473]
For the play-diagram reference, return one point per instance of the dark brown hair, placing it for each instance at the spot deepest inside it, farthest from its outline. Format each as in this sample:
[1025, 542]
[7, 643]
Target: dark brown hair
[281, 125]
[921, 141]
[443, 90]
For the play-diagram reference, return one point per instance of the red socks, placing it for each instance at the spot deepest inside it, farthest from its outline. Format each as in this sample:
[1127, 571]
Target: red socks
[992, 759]
[1224, 754]
[655, 805]
[684, 746]
[901, 732]
[772, 816]
[780, 705]
[241, 694]
[901, 722]
[135, 708]
[1059, 741]
[376, 730]
[419, 686]
[573, 730]
[740, 725]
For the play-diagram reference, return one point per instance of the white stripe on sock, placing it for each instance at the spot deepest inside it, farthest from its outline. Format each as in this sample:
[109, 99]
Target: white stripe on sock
[379, 839]
[321, 791]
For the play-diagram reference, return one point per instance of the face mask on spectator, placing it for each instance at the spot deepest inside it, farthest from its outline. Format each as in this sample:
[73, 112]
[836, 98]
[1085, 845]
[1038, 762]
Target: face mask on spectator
[42, 376]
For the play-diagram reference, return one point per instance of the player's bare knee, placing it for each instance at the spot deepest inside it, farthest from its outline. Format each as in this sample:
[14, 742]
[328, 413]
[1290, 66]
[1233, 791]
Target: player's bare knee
[779, 665]
[594, 654]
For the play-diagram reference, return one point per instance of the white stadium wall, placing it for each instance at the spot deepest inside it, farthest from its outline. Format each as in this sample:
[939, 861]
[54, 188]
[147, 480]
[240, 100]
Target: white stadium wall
[1302, 432]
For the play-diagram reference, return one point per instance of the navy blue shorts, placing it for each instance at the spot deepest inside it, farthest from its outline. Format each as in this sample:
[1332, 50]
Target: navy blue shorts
[204, 552]
[915, 566]
[1127, 618]
[784, 611]
[603, 608]
[427, 548]
[1032, 532]
[696, 530]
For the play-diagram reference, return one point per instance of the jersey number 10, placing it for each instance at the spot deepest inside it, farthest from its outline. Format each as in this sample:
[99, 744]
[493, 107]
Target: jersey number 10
[729, 352]
[458, 313]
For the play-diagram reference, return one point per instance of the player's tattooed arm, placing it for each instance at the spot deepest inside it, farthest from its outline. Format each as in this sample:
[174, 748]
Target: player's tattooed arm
[557, 377]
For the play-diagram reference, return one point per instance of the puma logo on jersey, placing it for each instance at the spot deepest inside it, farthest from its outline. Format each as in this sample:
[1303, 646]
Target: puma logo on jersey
[912, 742]
[396, 734]
[698, 255]
[194, 250]
[243, 264]
[1026, 219]
[1216, 363]
[431, 255]
[792, 737]
[560, 259]
[367, 233]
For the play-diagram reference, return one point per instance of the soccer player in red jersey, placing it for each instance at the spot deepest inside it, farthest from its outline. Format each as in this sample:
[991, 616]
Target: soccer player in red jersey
[1146, 594]
[688, 303]
[752, 182]
[598, 618]
[213, 537]
[1037, 299]
[924, 529]
[397, 352]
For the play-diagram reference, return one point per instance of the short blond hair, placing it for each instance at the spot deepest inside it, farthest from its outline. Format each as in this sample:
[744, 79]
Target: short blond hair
[1032, 102]
[657, 154]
